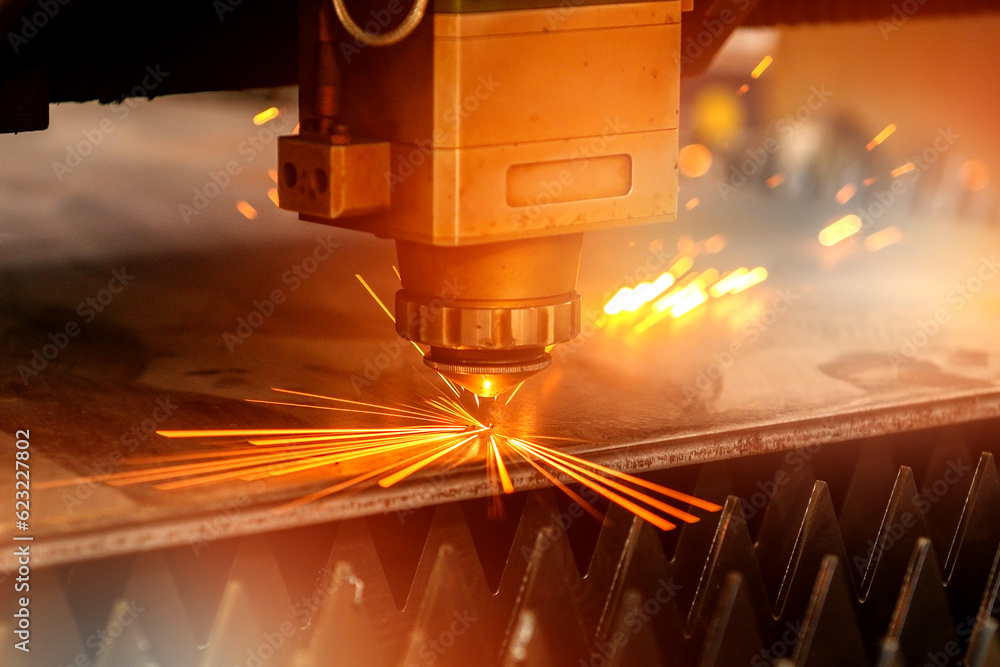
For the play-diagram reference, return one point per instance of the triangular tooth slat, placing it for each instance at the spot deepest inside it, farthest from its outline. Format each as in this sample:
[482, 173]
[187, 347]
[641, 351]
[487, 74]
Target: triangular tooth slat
[449, 628]
[976, 540]
[399, 539]
[54, 639]
[550, 590]
[160, 612]
[984, 648]
[889, 654]
[818, 536]
[731, 550]
[732, 635]
[629, 639]
[921, 622]
[342, 628]
[200, 571]
[386, 628]
[530, 645]
[889, 552]
[860, 516]
[642, 569]
[694, 540]
[301, 554]
[494, 532]
[255, 617]
[130, 646]
[983, 625]
[789, 492]
[830, 636]
[945, 488]
[92, 588]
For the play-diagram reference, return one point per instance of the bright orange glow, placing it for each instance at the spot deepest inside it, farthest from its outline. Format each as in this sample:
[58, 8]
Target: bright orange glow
[845, 193]
[883, 238]
[246, 209]
[694, 160]
[505, 483]
[273, 174]
[881, 136]
[974, 175]
[775, 181]
[266, 115]
[714, 244]
[869, 181]
[694, 201]
[842, 229]
[902, 169]
[688, 304]
[396, 454]
[761, 66]
[272, 194]
[375, 296]
[727, 281]
[632, 299]
[752, 278]
[743, 89]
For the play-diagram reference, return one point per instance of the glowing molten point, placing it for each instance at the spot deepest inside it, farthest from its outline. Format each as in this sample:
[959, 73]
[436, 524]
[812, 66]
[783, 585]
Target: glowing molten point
[694, 160]
[842, 229]
[266, 115]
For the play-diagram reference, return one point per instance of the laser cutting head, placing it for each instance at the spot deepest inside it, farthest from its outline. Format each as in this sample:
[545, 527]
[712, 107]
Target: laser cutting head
[485, 143]
[489, 311]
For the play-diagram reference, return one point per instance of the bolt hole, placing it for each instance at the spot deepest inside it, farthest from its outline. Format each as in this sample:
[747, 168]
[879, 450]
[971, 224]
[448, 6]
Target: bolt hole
[322, 180]
[288, 175]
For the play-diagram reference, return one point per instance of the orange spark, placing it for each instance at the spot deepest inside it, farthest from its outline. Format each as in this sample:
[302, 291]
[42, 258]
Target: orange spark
[761, 66]
[246, 209]
[902, 169]
[839, 230]
[881, 136]
[266, 115]
[883, 239]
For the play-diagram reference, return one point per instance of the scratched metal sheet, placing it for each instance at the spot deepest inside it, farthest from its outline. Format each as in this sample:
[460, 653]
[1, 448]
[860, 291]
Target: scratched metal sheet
[814, 354]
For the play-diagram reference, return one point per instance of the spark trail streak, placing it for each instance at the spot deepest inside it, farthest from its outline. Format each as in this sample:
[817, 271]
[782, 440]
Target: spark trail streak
[447, 434]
